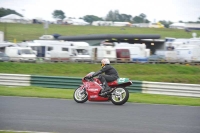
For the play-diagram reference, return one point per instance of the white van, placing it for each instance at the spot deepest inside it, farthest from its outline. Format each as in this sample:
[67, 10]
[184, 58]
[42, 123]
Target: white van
[76, 51]
[20, 54]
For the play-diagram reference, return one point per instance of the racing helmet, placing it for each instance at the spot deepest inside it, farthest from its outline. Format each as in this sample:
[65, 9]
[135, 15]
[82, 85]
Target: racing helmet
[105, 62]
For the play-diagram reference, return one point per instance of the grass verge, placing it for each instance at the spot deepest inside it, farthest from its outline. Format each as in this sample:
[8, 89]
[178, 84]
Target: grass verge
[40, 92]
[34, 31]
[144, 72]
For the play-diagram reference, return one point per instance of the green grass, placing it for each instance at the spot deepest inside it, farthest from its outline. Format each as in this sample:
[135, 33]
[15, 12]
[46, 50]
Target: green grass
[34, 31]
[32, 91]
[143, 72]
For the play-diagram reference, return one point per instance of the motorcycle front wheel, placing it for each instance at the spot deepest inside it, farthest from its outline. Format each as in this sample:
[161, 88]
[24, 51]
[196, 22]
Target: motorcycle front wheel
[119, 96]
[80, 95]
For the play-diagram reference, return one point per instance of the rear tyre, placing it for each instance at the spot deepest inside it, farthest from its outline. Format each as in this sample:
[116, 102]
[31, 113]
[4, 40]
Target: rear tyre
[119, 96]
[80, 95]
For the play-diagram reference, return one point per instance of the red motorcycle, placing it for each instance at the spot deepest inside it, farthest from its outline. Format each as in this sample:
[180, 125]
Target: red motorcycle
[91, 90]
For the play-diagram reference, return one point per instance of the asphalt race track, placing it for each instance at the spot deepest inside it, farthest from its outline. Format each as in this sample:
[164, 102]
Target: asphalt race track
[67, 116]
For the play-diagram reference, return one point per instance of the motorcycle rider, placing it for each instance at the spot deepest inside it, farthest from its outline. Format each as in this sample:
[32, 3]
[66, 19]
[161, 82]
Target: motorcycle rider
[111, 74]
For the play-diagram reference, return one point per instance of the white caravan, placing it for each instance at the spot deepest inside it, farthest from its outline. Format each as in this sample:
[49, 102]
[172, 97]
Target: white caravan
[138, 52]
[74, 51]
[189, 53]
[100, 52]
[171, 45]
[170, 56]
[174, 43]
[20, 54]
[3, 45]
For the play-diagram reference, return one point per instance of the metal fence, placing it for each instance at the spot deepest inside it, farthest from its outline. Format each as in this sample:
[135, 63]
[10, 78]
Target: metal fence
[191, 90]
[117, 60]
[15, 79]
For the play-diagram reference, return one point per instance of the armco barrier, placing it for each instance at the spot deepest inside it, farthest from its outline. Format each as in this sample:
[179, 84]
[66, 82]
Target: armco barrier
[70, 82]
[14, 79]
[191, 90]
[136, 87]
[55, 82]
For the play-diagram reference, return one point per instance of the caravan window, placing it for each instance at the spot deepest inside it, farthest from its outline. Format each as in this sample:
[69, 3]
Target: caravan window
[25, 51]
[49, 48]
[82, 52]
[125, 53]
[65, 49]
[108, 52]
[37, 48]
[34, 48]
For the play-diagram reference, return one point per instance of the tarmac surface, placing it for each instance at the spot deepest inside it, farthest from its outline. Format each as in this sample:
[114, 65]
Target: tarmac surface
[67, 116]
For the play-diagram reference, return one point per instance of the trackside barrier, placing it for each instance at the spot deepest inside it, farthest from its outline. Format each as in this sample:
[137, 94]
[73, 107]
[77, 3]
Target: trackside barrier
[55, 81]
[136, 87]
[14, 79]
[191, 90]
[70, 82]
[177, 89]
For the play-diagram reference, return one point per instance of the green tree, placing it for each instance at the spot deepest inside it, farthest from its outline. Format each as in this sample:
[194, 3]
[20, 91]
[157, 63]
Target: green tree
[115, 16]
[59, 14]
[143, 16]
[4, 12]
[166, 23]
[110, 16]
[140, 19]
[125, 18]
[91, 18]
[137, 19]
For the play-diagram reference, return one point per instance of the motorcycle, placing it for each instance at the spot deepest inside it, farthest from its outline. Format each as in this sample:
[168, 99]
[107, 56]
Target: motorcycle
[91, 89]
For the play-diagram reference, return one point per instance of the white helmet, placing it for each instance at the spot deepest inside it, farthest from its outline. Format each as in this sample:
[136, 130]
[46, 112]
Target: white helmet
[105, 62]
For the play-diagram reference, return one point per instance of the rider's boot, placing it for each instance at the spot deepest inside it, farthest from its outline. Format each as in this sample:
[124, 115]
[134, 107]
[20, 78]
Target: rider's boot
[105, 89]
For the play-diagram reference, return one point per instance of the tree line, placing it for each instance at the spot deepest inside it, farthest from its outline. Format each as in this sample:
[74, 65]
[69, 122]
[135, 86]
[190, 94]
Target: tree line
[114, 16]
[4, 12]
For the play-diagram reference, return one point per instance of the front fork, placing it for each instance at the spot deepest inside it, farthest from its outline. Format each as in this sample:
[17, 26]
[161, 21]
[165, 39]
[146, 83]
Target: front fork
[83, 89]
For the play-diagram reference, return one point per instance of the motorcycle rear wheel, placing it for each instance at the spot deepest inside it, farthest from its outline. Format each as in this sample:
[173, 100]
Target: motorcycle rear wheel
[80, 95]
[119, 96]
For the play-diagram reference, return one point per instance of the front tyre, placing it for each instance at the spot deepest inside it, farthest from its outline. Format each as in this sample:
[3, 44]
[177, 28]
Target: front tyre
[80, 95]
[119, 96]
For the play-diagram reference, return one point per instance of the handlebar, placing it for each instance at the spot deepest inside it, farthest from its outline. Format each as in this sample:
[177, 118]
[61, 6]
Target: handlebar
[87, 78]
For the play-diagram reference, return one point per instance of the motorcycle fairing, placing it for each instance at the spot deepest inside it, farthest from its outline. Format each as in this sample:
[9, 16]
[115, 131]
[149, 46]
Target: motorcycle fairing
[93, 92]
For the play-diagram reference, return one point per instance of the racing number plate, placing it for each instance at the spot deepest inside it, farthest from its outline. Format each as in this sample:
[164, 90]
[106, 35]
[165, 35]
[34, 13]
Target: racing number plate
[122, 80]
